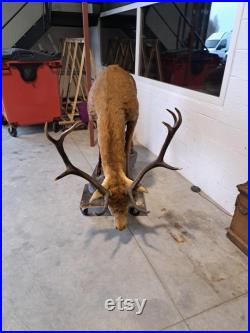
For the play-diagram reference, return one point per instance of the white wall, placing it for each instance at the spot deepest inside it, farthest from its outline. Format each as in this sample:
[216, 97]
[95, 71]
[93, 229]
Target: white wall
[9, 9]
[28, 16]
[21, 23]
[211, 145]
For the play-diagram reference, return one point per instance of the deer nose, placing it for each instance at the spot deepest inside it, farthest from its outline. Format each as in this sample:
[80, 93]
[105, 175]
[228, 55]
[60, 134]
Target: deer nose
[120, 228]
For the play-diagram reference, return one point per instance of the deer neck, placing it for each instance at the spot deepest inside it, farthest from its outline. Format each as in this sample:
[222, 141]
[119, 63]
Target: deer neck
[111, 138]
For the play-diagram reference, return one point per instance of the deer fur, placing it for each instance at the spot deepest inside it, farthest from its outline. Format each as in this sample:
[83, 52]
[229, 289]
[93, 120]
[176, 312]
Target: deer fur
[113, 103]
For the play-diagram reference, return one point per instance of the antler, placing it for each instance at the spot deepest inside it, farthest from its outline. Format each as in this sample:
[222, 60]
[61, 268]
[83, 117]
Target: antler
[71, 169]
[158, 162]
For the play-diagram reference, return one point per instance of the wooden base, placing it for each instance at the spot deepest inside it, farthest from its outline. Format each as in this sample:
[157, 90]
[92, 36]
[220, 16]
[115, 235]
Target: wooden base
[237, 241]
[238, 230]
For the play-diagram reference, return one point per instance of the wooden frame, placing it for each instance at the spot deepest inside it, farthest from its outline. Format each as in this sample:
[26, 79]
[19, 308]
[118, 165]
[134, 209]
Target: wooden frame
[87, 64]
[73, 78]
[189, 93]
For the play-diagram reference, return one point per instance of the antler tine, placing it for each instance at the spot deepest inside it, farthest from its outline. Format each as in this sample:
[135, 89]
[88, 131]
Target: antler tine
[64, 134]
[69, 130]
[134, 205]
[159, 162]
[70, 168]
[180, 118]
[174, 116]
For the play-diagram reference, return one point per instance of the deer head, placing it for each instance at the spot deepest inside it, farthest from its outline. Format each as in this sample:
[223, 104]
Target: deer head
[119, 200]
[118, 195]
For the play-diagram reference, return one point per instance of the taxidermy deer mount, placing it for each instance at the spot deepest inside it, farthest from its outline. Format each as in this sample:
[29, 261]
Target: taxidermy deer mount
[113, 103]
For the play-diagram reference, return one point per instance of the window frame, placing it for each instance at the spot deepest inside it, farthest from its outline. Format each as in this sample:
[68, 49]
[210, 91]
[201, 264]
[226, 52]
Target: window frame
[189, 93]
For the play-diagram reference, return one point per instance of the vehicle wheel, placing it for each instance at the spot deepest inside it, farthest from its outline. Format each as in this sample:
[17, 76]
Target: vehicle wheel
[12, 131]
[55, 126]
[133, 211]
[85, 212]
[4, 121]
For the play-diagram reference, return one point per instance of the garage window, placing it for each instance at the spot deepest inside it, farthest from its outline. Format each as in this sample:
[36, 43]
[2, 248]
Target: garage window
[186, 43]
[118, 35]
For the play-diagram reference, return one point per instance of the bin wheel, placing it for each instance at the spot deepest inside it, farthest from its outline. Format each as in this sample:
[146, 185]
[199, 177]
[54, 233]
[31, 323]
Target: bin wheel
[4, 121]
[56, 127]
[12, 131]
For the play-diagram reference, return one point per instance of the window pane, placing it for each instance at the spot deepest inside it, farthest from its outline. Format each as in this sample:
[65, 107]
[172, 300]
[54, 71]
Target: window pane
[118, 33]
[186, 43]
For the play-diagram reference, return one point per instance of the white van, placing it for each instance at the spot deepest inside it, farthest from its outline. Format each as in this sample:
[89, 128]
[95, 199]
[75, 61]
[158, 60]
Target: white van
[218, 43]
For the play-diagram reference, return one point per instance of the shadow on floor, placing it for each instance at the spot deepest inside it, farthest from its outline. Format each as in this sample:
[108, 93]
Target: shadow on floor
[135, 227]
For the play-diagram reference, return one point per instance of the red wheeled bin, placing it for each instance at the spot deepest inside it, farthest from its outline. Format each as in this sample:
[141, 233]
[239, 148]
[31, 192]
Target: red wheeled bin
[30, 87]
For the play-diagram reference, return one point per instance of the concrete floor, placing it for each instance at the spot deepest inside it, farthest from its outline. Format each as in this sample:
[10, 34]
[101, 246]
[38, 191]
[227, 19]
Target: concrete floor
[60, 267]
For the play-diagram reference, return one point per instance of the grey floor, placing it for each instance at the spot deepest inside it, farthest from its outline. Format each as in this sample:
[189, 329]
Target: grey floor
[60, 267]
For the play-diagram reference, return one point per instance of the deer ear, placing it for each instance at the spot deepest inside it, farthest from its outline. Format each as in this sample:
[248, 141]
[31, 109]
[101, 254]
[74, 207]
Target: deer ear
[96, 195]
[141, 188]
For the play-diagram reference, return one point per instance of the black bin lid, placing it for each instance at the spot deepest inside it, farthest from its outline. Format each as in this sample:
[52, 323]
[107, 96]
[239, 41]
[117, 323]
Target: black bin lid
[28, 55]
